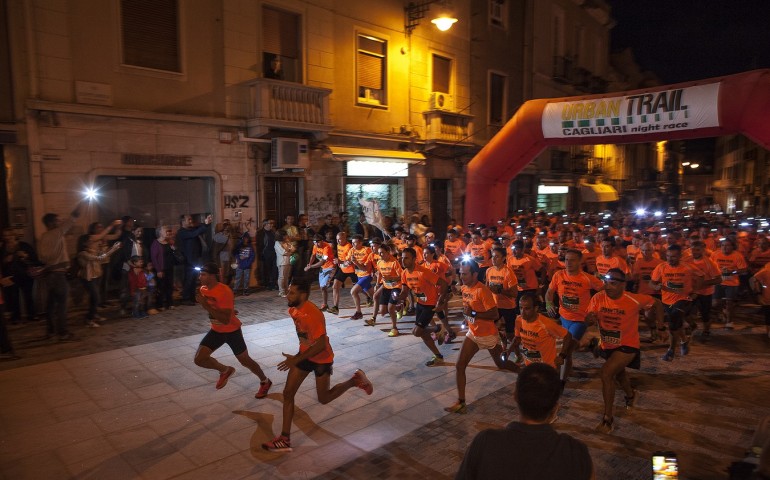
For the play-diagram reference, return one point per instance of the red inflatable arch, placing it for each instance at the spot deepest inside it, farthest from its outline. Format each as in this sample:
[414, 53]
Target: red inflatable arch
[706, 108]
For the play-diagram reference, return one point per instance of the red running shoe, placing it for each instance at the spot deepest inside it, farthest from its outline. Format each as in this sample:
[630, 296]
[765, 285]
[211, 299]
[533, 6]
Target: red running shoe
[362, 382]
[224, 376]
[264, 387]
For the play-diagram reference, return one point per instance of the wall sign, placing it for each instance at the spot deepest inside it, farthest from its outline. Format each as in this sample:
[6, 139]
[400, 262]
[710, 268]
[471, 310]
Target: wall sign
[237, 201]
[149, 159]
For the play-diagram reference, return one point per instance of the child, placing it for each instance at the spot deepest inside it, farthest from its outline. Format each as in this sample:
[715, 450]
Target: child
[137, 285]
[244, 257]
[152, 290]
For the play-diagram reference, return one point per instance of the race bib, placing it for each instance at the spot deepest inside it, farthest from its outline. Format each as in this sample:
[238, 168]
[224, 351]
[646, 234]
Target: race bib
[470, 320]
[610, 337]
[679, 286]
[570, 302]
[496, 287]
[390, 283]
[532, 355]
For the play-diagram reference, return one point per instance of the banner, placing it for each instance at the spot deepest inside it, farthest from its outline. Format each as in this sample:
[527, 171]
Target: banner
[668, 110]
[371, 209]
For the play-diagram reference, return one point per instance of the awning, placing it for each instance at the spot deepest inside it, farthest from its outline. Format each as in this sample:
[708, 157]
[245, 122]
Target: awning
[598, 193]
[345, 154]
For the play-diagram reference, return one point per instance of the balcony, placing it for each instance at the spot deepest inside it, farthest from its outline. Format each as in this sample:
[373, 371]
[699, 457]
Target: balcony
[566, 71]
[276, 104]
[445, 126]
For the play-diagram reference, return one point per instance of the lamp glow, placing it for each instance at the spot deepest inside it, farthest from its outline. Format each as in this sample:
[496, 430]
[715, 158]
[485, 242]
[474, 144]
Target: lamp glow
[444, 23]
[90, 193]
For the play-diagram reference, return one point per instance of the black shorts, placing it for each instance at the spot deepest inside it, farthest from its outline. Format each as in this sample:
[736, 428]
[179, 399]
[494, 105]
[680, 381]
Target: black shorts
[676, 313]
[320, 369]
[509, 315]
[341, 276]
[386, 296]
[636, 363]
[234, 340]
[423, 314]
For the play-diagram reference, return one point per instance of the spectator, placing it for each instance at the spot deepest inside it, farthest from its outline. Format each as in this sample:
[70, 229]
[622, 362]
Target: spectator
[137, 281]
[530, 447]
[266, 249]
[91, 259]
[17, 259]
[189, 241]
[6, 349]
[152, 289]
[283, 251]
[52, 250]
[244, 258]
[129, 248]
[96, 231]
[221, 254]
[163, 256]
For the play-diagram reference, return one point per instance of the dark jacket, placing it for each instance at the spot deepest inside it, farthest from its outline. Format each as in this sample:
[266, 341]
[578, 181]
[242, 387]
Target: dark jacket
[190, 245]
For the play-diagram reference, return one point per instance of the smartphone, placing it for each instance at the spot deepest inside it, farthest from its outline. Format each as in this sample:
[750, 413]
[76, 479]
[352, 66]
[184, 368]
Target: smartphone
[664, 466]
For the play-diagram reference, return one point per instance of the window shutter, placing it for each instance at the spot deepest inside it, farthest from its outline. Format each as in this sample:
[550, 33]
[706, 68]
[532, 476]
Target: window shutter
[369, 71]
[280, 32]
[441, 72]
[150, 30]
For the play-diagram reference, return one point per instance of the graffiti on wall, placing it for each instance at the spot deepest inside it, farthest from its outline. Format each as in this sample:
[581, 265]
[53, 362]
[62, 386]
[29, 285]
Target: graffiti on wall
[319, 207]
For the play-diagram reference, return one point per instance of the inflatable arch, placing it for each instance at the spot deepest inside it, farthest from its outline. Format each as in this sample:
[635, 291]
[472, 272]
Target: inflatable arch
[707, 108]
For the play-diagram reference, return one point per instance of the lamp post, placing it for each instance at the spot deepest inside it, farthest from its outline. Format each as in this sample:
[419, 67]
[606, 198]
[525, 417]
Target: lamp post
[416, 11]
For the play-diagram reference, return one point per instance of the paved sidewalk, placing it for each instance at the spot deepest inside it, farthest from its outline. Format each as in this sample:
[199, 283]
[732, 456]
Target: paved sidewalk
[126, 401]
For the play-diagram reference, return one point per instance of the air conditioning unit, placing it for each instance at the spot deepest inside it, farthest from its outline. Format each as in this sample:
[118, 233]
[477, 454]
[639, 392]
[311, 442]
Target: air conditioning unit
[441, 101]
[289, 153]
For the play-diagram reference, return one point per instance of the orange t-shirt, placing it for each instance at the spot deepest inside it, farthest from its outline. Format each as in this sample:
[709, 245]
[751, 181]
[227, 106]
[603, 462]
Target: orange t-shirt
[400, 244]
[709, 269]
[343, 254]
[363, 256]
[758, 259]
[763, 277]
[679, 279]
[323, 252]
[589, 260]
[223, 298]
[499, 279]
[419, 257]
[454, 250]
[479, 298]
[618, 319]
[311, 325]
[575, 293]
[604, 264]
[525, 269]
[538, 339]
[390, 273]
[439, 267]
[729, 266]
[479, 253]
[643, 270]
[422, 282]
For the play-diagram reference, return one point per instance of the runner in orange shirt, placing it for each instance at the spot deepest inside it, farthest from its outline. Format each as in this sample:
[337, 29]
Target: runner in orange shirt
[454, 248]
[322, 256]
[431, 293]
[390, 278]
[375, 244]
[712, 277]
[439, 264]
[479, 252]
[526, 268]
[315, 355]
[607, 260]
[641, 273]
[617, 314]
[217, 299]
[731, 264]
[502, 281]
[345, 270]
[538, 334]
[361, 258]
[480, 312]
[760, 256]
[760, 284]
[678, 283]
[589, 254]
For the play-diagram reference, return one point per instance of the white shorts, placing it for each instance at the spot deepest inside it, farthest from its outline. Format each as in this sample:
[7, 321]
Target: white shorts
[487, 342]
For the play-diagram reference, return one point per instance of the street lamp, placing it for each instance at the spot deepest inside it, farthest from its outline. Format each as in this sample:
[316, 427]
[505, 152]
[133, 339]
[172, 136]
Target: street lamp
[415, 11]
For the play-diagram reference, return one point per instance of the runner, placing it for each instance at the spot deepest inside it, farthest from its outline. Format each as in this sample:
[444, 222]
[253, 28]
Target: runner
[315, 355]
[617, 314]
[573, 286]
[712, 277]
[390, 279]
[345, 270]
[608, 259]
[731, 264]
[678, 283]
[478, 249]
[361, 258]
[431, 293]
[641, 273]
[439, 264]
[322, 256]
[502, 282]
[526, 269]
[217, 299]
[760, 284]
[538, 334]
[480, 311]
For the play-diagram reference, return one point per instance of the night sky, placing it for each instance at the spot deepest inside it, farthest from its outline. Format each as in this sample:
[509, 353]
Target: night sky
[682, 40]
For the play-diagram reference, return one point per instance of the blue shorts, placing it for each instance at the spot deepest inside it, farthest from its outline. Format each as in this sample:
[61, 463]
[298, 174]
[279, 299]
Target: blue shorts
[325, 277]
[576, 329]
[365, 283]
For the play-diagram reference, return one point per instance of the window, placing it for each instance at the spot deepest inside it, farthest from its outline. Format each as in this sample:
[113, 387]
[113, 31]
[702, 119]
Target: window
[281, 51]
[371, 70]
[498, 13]
[557, 33]
[497, 89]
[442, 74]
[150, 34]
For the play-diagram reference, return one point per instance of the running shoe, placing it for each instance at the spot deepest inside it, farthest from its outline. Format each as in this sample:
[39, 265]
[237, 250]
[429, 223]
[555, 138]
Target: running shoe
[440, 335]
[369, 302]
[668, 356]
[435, 360]
[324, 307]
[278, 444]
[605, 426]
[333, 310]
[357, 316]
[264, 387]
[224, 376]
[458, 407]
[399, 314]
[450, 335]
[393, 332]
[631, 401]
[370, 322]
[410, 311]
[362, 382]
[728, 325]
[684, 348]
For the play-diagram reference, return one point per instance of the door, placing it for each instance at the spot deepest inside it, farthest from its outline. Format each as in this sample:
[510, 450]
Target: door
[281, 198]
[439, 205]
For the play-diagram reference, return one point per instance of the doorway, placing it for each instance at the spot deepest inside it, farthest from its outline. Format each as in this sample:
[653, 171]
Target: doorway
[281, 198]
[439, 205]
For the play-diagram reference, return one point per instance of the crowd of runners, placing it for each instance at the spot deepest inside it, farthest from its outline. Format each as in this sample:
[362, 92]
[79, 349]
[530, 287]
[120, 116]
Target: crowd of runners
[530, 286]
